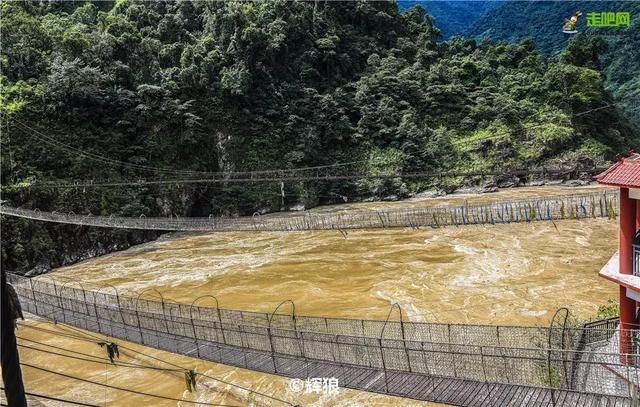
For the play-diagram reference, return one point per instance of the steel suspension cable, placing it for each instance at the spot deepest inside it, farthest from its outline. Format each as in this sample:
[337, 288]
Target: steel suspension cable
[92, 337]
[140, 393]
[55, 143]
[72, 402]
[52, 141]
[421, 175]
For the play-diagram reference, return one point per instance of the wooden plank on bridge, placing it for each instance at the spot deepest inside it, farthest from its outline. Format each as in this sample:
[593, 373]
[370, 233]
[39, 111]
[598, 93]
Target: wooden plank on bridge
[457, 391]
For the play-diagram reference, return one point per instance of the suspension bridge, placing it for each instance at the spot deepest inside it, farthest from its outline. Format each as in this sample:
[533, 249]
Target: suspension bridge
[464, 365]
[576, 206]
[329, 173]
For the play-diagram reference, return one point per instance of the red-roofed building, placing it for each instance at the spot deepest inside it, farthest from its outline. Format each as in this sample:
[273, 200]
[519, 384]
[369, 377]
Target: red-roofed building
[626, 271]
[625, 173]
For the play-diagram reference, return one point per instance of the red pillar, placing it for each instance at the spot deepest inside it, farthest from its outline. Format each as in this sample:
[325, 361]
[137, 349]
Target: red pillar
[627, 232]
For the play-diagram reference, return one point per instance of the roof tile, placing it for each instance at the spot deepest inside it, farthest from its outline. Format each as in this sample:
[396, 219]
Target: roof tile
[624, 173]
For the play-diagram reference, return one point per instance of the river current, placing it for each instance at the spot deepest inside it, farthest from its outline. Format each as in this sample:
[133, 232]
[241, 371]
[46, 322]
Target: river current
[516, 274]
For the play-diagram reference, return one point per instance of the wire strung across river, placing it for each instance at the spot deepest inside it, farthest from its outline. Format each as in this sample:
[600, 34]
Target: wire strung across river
[93, 338]
[140, 393]
[42, 396]
[253, 175]
[328, 174]
[586, 205]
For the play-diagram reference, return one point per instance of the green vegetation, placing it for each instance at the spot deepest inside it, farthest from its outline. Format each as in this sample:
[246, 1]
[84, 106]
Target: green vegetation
[541, 21]
[608, 310]
[452, 17]
[233, 86]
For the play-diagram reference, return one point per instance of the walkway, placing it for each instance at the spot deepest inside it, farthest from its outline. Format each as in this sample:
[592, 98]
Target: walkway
[576, 206]
[440, 372]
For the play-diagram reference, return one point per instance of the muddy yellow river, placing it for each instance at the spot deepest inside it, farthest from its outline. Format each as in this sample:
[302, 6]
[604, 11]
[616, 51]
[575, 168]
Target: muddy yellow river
[516, 274]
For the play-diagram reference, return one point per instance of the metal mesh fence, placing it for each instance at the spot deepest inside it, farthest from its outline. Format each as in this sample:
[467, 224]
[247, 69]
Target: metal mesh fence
[162, 313]
[587, 361]
[576, 206]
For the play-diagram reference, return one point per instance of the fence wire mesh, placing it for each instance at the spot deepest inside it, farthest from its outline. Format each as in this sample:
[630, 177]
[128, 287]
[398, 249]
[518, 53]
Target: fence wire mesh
[581, 359]
[575, 206]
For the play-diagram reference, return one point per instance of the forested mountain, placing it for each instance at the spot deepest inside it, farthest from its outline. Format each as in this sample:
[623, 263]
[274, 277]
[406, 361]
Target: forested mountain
[542, 21]
[452, 17]
[233, 86]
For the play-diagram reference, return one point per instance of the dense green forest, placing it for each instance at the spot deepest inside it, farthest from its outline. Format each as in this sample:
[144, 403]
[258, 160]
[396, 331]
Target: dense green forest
[542, 21]
[452, 17]
[235, 86]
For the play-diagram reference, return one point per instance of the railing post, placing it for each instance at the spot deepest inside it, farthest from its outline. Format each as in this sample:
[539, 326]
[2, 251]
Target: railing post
[224, 339]
[84, 298]
[293, 314]
[404, 342]
[426, 365]
[95, 296]
[138, 315]
[139, 325]
[629, 384]
[384, 367]
[33, 295]
[193, 326]
[273, 355]
[164, 317]
[59, 298]
[484, 371]
[95, 310]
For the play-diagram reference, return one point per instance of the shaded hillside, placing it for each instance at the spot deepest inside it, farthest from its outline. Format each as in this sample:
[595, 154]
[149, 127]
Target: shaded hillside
[452, 17]
[542, 21]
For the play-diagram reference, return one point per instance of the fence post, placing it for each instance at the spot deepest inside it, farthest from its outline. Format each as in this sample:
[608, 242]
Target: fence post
[384, 367]
[33, 295]
[484, 371]
[193, 326]
[138, 315]
[404, 342]
[293, 314]
[55, 291]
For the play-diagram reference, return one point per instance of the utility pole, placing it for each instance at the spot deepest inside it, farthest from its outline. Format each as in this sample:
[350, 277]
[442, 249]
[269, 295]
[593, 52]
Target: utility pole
[11, 373]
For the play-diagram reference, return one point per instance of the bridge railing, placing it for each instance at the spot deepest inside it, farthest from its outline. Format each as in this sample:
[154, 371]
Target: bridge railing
[576, 206]
[521, 366]
[167, 328]
[111, 305]
[161, 313]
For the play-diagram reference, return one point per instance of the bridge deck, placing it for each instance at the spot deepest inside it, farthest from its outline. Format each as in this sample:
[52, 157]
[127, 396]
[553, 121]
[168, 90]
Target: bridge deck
[572, 206]
[454, 391]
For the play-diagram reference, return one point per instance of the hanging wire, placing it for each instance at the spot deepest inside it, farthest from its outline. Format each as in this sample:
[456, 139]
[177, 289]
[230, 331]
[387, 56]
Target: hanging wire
[92, 337]
[249, 176]
[60, 400]
[110, 161]
[140, 393]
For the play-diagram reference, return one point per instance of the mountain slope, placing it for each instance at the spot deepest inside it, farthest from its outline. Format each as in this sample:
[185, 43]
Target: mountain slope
[542, 21]
[452, 17]
[163, 90]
